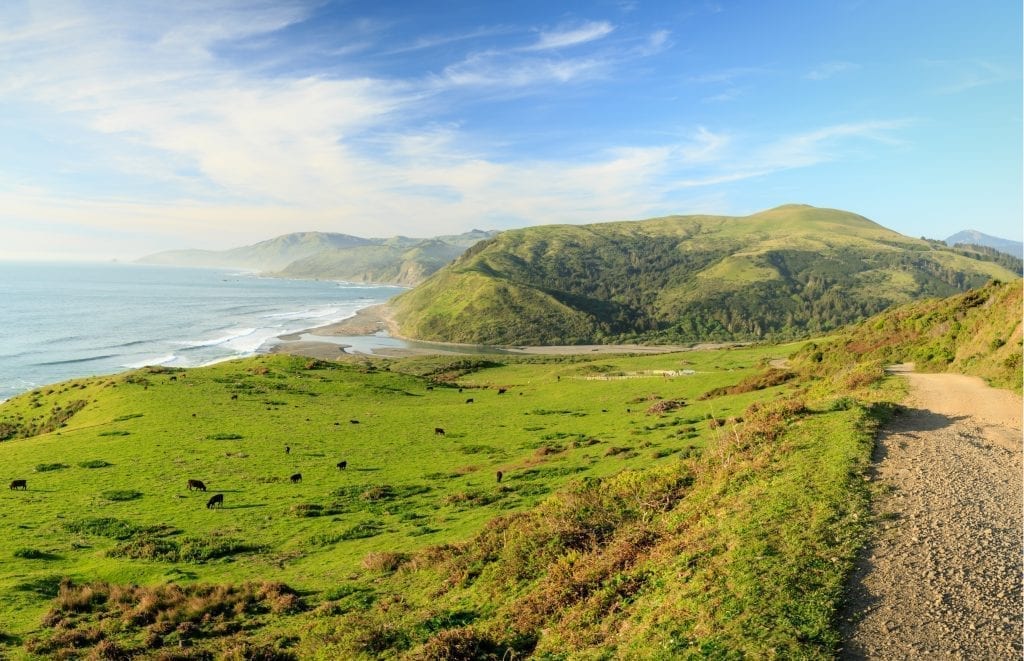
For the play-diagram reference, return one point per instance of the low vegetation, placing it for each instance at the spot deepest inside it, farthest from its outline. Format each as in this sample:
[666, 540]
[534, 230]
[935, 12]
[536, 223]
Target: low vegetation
[978, 332]
[631, 517]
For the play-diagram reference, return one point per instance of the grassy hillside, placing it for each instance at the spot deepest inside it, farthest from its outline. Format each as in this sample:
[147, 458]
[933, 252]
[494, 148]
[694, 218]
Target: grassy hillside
[634, 516]
[975, 333]
[780, 273]
[394, 262]
[398, 260]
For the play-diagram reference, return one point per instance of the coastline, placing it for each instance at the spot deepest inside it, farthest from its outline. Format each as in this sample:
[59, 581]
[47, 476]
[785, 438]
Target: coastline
[376, 320]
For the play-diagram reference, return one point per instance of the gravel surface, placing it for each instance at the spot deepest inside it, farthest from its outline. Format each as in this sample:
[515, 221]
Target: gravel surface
[942, 579]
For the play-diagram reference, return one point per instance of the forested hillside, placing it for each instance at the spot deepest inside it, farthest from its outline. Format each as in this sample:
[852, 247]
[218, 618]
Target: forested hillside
[781, 273]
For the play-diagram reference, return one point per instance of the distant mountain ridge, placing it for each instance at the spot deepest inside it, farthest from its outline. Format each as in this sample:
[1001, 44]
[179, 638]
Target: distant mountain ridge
[976, 238]
[779, 273]
[325, 255]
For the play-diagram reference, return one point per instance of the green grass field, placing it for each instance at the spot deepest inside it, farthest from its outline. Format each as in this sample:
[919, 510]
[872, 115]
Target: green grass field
[107, 497]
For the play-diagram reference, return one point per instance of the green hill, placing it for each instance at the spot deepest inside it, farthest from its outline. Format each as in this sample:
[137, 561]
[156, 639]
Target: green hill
[319, 255]
[976, 333]
[780, 273]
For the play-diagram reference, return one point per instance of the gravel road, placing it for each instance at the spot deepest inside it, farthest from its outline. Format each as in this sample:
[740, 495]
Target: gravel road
[942, 579]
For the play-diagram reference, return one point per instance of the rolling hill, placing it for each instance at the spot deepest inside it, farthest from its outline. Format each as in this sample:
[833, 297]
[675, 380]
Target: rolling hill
[319, 255]
[779, 273]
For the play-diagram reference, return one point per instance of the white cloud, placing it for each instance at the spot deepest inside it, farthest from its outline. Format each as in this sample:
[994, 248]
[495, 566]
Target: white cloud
[505, 70]
[567, 37]
[827, 70]
[794, 151]
[229, 154]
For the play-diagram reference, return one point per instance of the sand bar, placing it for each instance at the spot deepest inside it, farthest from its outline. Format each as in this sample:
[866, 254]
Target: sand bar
[376, 321]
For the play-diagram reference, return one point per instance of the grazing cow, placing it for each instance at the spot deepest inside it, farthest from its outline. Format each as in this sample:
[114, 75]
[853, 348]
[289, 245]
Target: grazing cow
[438, 431]
[197, 485]
[174, 378]
[469, 401]
[502, 391]
[337, 423]
[430, 387]
[296, 478]
[354, 422]
[342, 465]
[234, 396]
[19, 484]
[500, 475]
[216, 500]
[460, 389]
[287, 449]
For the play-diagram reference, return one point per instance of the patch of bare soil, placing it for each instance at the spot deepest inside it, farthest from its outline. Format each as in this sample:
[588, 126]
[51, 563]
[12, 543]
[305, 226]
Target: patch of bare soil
[943, 577]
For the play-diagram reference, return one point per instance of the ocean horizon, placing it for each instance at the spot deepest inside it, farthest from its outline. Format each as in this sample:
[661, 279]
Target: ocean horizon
[61, 321]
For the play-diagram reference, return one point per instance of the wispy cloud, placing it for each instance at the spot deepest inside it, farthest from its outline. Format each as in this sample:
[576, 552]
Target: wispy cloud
[964, 75]
[505, 70]
[232, 153]
[799, 150]
[566, 37]
[423, 43]
[728, 75]
[827, 70]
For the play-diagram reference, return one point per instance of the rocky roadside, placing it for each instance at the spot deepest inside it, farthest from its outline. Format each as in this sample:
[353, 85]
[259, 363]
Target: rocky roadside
[943, 577]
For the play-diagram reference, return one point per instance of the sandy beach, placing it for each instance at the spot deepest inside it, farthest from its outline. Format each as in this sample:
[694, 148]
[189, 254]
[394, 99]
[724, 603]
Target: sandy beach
[376, 320]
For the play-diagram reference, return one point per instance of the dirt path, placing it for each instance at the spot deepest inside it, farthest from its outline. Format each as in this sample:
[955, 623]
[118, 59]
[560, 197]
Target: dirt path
[943, 578]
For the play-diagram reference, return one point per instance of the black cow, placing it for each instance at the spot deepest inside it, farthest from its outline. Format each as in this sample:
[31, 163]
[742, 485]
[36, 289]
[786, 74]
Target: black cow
[19, 484]
[499, 476]
[469, 401]
[296, 478]
[438, 431]
[216, 500]
[354, 422]
[234, 396]
[287, 449]
[502, 391]
[342, 465]
[197, 485]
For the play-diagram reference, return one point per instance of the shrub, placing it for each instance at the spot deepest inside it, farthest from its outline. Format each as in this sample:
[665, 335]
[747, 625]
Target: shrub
[384, 561]
[33, 554]
[94, 463]
[767, 379]
[121, 494]
[104, 527]
[665, 406]
[43, 468]
[460, 643]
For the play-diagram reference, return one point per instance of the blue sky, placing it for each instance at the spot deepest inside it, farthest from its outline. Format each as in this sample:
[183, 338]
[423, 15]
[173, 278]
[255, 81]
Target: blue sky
[128, 127]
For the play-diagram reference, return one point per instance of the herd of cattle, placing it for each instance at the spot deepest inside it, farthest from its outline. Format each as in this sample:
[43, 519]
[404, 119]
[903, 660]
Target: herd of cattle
[217, 500]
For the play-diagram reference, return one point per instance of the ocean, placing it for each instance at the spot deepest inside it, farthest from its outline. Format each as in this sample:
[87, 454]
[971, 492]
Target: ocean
[63, 321]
